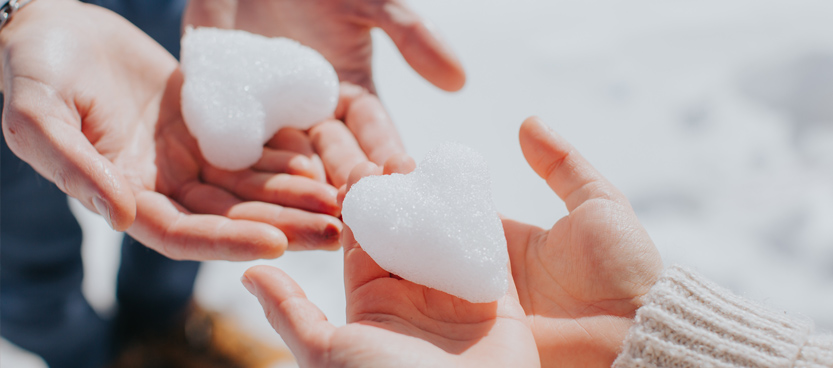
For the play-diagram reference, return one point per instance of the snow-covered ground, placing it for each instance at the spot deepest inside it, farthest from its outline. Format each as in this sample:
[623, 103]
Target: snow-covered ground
[714, 117]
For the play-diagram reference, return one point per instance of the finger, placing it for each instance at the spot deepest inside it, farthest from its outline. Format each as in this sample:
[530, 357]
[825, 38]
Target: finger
[300, 323]
[565, 170]
[281, 189]
[338, 150]
[359, 268]
[41, 130]
[400, 164]
[521, 237]
[369, 122]
[166, 226]
[421, 46]
[209, 13]
[359, 171]
[303, 230]
[275, 161]
[294, 140]
[291, 139]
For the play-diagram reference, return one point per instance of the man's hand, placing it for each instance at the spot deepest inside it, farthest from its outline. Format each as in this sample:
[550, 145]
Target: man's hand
[580, 282]
[93, 104]
[339, 30]
[393, 322]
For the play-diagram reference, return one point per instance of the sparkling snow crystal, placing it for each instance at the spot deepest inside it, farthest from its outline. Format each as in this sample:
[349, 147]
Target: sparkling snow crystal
[241, 88]
[436, 226]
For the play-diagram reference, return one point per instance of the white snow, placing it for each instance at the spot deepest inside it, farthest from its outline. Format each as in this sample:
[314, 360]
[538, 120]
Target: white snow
[436, 226]
[241, 88]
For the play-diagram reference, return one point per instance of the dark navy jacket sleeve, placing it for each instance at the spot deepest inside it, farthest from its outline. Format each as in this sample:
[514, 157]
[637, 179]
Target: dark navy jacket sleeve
[161, 19]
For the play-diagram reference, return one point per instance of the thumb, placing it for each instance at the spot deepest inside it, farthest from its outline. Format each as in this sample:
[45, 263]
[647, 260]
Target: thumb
[567, 173]
[420, 45]
[300, 323]
[43, 132]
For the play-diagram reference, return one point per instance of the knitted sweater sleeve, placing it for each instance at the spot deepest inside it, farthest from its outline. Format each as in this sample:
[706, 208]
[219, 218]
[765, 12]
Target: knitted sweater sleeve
[687, 321]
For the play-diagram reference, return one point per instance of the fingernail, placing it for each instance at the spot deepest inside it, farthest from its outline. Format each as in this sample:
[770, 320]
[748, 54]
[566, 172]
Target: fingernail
[248, 285]
[103, 210]
[331, 231]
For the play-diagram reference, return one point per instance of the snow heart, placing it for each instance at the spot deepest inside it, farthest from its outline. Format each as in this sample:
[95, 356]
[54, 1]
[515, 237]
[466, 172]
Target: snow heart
[241, 88]
[436, 226]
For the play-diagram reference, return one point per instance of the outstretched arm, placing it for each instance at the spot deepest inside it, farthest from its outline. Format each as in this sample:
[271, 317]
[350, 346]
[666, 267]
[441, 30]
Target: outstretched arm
[94, 107]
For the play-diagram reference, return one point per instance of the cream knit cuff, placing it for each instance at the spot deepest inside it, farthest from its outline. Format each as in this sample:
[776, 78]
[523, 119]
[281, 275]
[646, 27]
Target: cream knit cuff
[687, 321]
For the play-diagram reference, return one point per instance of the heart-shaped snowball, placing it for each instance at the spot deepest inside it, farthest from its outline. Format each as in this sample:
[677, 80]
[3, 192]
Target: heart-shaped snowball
[436, 226]
[241, 88]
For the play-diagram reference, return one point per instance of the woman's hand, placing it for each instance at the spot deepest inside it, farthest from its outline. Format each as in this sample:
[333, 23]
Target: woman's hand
[392, 322]
[579, 282]
[92, 103]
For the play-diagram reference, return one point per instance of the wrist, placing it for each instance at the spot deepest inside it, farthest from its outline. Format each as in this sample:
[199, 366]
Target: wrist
[17, 14]
[688, 321]
[28, 24]
[8, 8]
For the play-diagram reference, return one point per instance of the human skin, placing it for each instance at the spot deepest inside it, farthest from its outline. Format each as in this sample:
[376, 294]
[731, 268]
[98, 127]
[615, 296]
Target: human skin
[93, 106]
[581, 281]
[340, 31]
[392, 322]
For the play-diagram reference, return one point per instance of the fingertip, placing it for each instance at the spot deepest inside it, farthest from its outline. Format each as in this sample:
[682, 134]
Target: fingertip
[267, 242]
[531, 125]
[348, 241]
[302, 166]
[324, 237]
[271, 284]
[348, 92]
[455, 78]
[361, 170]
[256, 273]
[342, 192]
[422, 47]
[435, 61]
[540, 143]
[332, 234]
[399, 163]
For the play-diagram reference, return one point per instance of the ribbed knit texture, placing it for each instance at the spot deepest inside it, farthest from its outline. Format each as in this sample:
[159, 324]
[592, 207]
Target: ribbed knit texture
[687, 321]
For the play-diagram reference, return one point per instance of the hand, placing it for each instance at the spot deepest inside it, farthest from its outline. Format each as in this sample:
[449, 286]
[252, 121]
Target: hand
[339, 30]
[93, 106]
[360, 131]
[393, 322]
[331, 148]
[580, 282]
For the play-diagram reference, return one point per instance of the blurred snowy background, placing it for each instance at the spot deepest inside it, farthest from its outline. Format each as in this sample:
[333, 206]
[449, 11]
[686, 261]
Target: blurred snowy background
[714, 117]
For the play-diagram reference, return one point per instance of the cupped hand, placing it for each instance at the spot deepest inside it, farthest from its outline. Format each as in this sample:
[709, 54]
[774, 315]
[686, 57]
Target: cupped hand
[581, 281]
[93, 106]
[339, 30]
[392, 322]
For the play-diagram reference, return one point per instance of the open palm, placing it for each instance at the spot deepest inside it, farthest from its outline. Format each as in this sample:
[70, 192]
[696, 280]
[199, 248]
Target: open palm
[393, 322]
[94, 107]
[580, 282]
